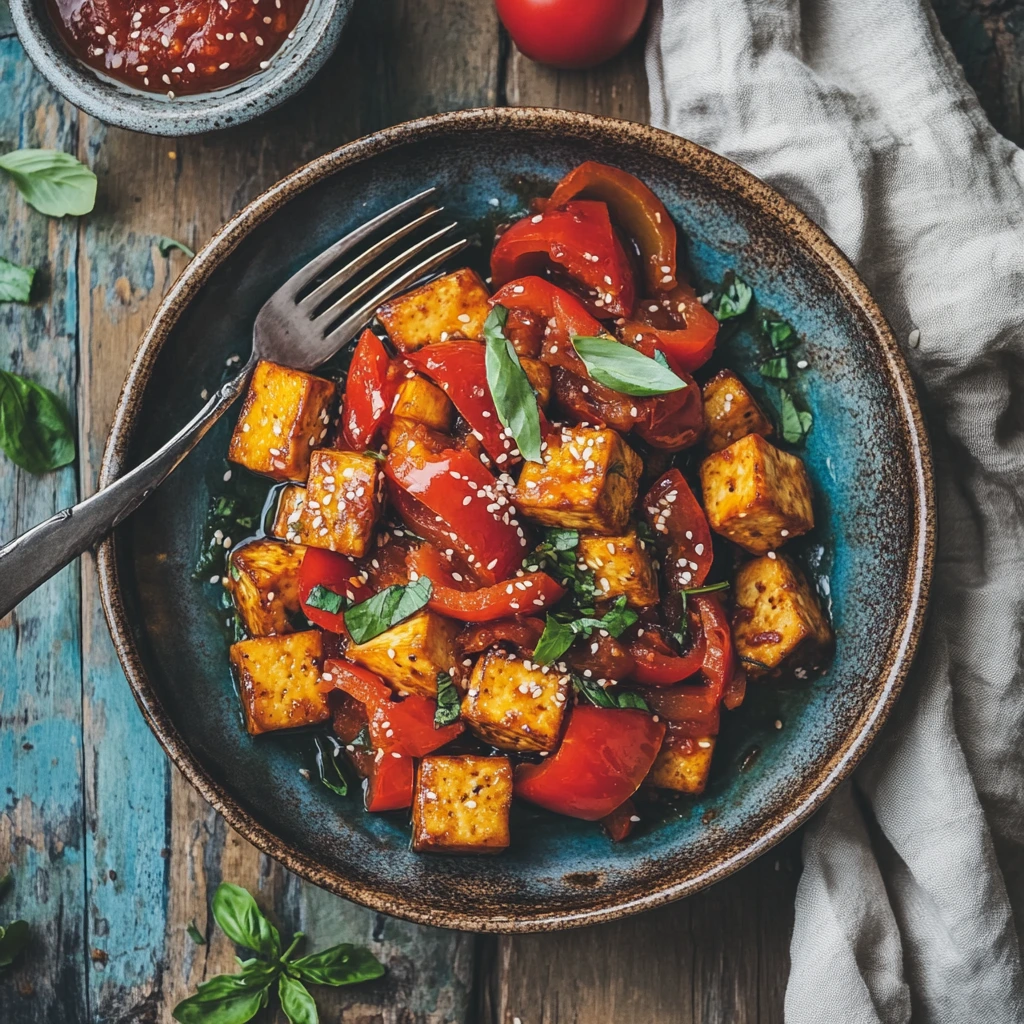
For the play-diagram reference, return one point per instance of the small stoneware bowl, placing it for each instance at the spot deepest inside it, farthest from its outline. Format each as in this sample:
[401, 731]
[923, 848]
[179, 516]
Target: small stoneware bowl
[778, 756]
[294, 65]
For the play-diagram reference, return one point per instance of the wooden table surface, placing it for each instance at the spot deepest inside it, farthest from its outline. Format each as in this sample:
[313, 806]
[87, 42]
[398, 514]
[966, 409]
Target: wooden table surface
[113, 854]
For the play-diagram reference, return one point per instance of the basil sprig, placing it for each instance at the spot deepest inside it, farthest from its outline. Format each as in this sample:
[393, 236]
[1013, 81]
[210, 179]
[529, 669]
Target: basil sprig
[236, 998]
[796, 423]
[370, 618]
[780, 334]
[448, 704]
[558, 636]
[776, 368]
[624, 369]
[324, 599]
[15, 281]
[735, 298]
[514, 398]
[54, 183]
[607, 698]
[35, 429]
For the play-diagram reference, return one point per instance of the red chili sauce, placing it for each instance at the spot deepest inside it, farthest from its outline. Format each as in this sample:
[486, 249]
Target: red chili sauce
[177, 46]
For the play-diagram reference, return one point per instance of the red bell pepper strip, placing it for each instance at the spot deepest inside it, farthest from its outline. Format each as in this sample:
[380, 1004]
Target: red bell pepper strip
[679, 325]
[619, 824]
[686, 707]
[674, 421]
[523, 633]
[336, 573]
[604, 756]
[579, 237]
[673, 513]
[736, 689]
[367, 392]
[657, 665]
[480, 528]
[719, 656]
[636, 209]
[388, 787]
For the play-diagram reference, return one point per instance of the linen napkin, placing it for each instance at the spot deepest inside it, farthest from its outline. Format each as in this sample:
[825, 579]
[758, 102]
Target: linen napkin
[911, 901]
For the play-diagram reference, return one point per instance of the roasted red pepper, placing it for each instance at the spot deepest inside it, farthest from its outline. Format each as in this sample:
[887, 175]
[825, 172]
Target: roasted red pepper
[719, 657]
[529, 594]
[686, 707]
[634, 207]
[674, 421]
[619, 824]
[388, 787]
[674, 514]
[522, 633]
[678, 325]
[579, 237]
[336, 573]
[367, 392]
[604, 756]
[658, 665]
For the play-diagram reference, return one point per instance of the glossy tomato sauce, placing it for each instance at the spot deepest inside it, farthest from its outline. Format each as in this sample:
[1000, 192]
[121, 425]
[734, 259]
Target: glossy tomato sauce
[177, 46]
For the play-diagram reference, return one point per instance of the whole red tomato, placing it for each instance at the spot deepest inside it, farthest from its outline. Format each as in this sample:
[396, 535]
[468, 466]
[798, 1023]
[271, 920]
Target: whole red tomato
[571, 33]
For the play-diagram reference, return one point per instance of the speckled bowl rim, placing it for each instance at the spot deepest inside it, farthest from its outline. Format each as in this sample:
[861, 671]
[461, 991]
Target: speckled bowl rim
[295, 64]
[909, 608]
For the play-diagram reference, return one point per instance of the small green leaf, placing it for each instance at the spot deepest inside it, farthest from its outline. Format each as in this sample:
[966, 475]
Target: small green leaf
[556, 639]
[165, 245]
[391, 606]
[711, 588]
[628, 699]
[243, 922]
[324, 599]
[15, 281]
[661, 359]
[297, 1003]
[54, 183]
[339, 965]
[623, 369]
[228, 998]
[735, 298]
[796, 423]
[35, 429]
[448, 705]
[780, 335]
[514, 397]
[558, 636]
[195, 934]
[776, 368]
[13, 939]
[619, 618]
[328, 765]
[607, 698]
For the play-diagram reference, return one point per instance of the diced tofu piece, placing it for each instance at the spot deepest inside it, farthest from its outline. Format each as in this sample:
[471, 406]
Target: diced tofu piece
[756, 495]
[778, 626]
[730, 412]
[410, 655]
[515, 707]
[539, 376]
[424, 440]
[461, 805]
[263, 580]
[622, 565]
[277, 678]
[587, 481]
[453, 306]
[419, 400]
[343, 501]
[287, 525]
[683, 763]
[285, 413]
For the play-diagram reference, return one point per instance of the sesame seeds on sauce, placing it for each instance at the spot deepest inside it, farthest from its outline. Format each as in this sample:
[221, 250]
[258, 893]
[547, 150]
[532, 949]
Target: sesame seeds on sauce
[176, 47]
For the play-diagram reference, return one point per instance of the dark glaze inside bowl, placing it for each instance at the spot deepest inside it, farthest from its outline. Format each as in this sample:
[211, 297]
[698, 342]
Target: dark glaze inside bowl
[867, 458]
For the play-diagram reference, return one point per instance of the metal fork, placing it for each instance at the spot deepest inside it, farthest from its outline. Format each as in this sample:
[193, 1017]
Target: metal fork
[293, 328]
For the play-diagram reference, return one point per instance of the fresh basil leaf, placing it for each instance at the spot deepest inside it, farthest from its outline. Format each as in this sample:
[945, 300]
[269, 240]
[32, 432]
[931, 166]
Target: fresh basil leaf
[513, 395]
[165, 245]
[195, 934]
[602, 698]
[297, 1003]
[228, 998]
[35, 429]
[796, 423]
[339, 965]
[54, 183]
[13, 940]
[735, 298]
[623, 369]
[618, 618]
[324, 599]
[328, 765]
[562, 539]
[370, 618]
[243, 922]
[780, 335]
[628, 699]
[15, 281]
[448, 704]
[776, 368]
[661, 359]
[556, 639]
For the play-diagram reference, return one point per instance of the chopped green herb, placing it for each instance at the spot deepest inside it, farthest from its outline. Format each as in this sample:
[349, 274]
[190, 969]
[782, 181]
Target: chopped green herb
[35, 430]
[558, 636]
[324, 599]
[15, 281]
[375, 455]
[447, 701]
[556, 554]
[776, 368]
[661, 359]
[328, 764]
[386, 609]
[195, 934]
[796, 423]
[625, 370]
[514, 398]
[735, 298]
[710, 588]
[165, 245]
[607, 698]
[54, 183]
[780, 335]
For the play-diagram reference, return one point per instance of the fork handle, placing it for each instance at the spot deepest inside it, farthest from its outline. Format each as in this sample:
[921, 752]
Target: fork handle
[30, 560]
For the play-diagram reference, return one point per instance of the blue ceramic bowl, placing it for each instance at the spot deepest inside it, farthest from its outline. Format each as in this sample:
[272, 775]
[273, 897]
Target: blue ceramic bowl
[294, 65]
[867, 456]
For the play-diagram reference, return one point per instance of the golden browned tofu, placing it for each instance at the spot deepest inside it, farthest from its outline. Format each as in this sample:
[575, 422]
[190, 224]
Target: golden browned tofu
[277, 678]
[587, 481]
[683, 763]
[263, 580]
[622, 566]
[756, 495]
[513, 705]
[539, 375]
[419, 400]
[287, 516]
[285, 413]
[461, 805]
[343, 501]
[778, 626]
[453, 306]
[730, 412]
[410, 655]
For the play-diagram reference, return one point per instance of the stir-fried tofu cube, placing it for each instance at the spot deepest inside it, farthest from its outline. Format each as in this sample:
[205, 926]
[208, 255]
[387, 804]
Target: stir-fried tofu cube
[419, 400]
[756, 495]
[461, 805]
[683, 763]
[511, 704]
[539, 375]
[285, 413]
[277, 678]
[343, 501]
[287, 517]
[730, 412]
[587, 481]
[263, 580]
[622, 566]
[410, 655]
[778, 625]
[453, 306]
